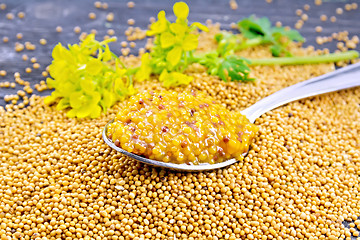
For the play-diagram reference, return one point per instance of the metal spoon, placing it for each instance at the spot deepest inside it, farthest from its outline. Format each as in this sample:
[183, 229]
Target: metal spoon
[346, 77]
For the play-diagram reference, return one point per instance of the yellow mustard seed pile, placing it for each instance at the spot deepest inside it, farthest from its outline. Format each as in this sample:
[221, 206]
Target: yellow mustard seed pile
[186, 127]
[300, 180]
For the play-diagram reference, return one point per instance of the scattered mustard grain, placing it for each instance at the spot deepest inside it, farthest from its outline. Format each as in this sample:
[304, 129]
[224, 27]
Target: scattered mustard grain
[110, 17]
[130, 4]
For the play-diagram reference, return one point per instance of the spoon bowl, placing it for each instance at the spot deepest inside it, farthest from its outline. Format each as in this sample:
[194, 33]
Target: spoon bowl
[343, 78]
[179, 167]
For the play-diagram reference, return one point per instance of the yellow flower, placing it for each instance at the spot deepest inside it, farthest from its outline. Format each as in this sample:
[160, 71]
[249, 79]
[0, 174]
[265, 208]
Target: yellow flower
[181, 10]
[145, 69]
[187, 43]
[174, 79]
[200, 26]
[159, 26]
[174, 56]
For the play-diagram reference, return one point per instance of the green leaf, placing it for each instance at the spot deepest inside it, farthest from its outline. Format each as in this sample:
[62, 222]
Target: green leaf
[227, 43]
[254, 27]
[234, 69]
[260, 29]
[291, 34]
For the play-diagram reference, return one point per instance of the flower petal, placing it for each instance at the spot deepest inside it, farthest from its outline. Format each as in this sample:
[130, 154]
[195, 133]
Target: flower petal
[145, 69]
[190, 42]
[178, 28]
[167, 40]
[94, 66]
[200, 26]
[76, 99]
[174, 79]
[181, 10]
[174, 56]
[159, 26]
[63, 103]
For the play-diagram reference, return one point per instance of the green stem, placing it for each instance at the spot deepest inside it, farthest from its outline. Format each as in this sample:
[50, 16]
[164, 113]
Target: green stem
[333, 57]
[250, 43]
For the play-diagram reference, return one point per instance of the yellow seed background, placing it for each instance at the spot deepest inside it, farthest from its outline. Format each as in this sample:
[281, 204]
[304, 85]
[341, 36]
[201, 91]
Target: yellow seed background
[59, 180]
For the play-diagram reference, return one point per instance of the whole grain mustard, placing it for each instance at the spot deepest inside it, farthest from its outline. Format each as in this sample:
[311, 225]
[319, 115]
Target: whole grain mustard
[187, 127]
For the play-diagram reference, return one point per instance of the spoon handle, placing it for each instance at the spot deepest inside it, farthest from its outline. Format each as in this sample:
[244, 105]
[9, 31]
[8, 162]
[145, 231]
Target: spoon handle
[342, 78]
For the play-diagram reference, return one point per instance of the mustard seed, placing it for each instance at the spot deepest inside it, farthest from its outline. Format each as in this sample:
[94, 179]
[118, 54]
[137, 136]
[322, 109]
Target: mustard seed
[110, 17]
[318, 29]
[304, 17]
[59, 29]
[132, 44]
[339, 11]
[104, 5]
[77, 29]
[131, 21]
[19, 35]
[10, 16]
[21, 15]
[59, 180]
[36, 65]
[152, 19]
[233, 4]
[19, 47]
[130, 4]
[111, 32]
[43, 41]
[97, 4]
[298, 12]
[24, 57]
[92, 16]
